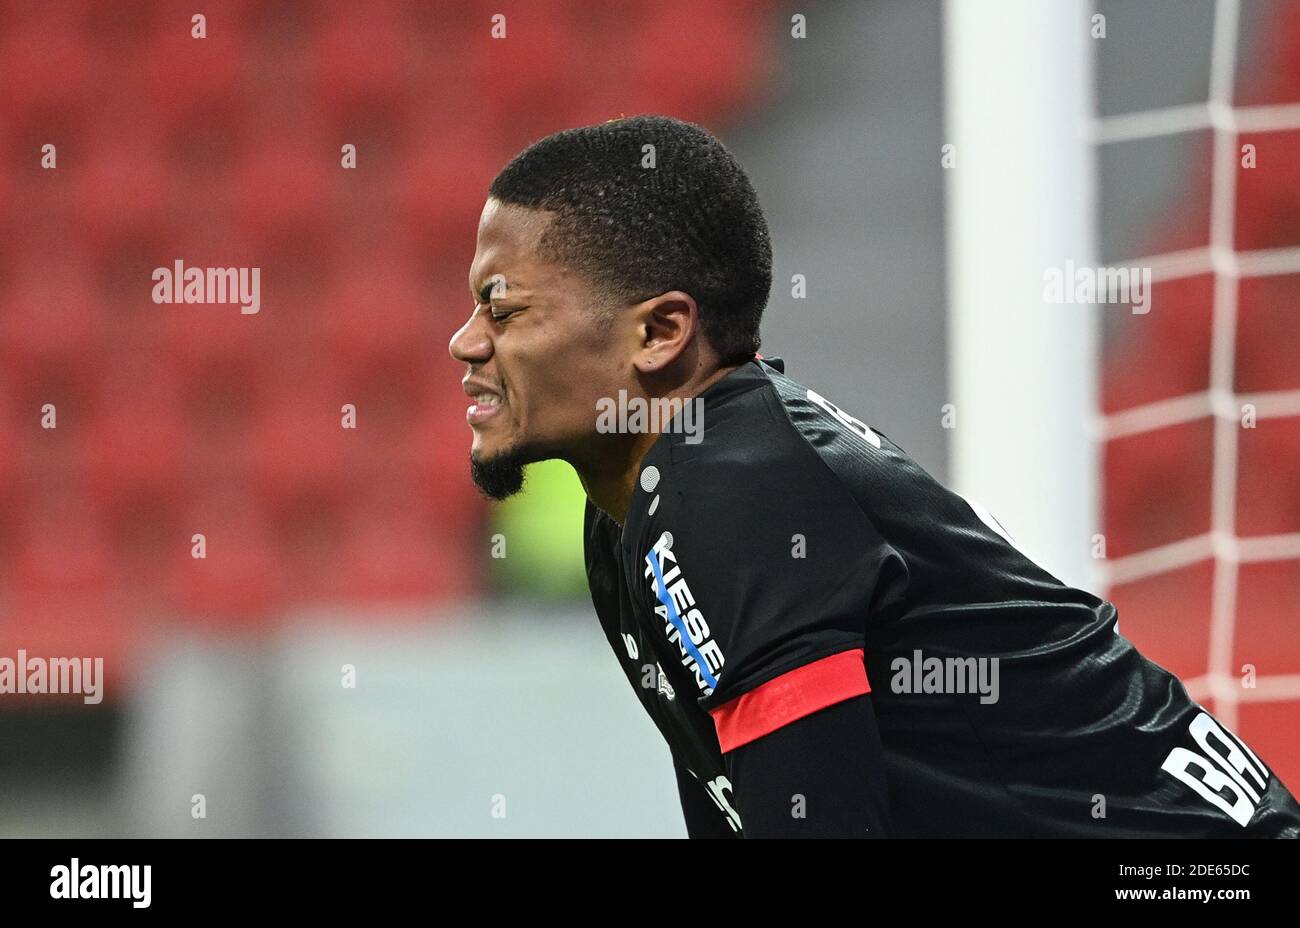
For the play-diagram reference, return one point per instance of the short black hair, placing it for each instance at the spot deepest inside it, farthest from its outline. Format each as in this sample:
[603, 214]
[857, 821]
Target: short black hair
[634, 227]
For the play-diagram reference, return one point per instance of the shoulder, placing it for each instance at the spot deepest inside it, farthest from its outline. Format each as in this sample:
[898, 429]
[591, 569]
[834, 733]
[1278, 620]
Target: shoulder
[747, 456]
[752, 489]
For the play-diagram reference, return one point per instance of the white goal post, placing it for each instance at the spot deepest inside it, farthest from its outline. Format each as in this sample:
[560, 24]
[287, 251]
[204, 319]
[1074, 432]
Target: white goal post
[1019, 200]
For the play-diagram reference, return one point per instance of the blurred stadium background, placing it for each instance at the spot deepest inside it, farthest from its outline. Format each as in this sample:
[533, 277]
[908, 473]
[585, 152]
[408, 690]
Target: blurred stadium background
[481, 677]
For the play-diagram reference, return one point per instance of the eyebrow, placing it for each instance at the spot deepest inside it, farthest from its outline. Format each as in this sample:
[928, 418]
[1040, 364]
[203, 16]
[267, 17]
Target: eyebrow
[484, 293]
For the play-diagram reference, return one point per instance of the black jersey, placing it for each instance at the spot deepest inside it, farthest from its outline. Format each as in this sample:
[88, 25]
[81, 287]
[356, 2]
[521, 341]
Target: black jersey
[795, 561]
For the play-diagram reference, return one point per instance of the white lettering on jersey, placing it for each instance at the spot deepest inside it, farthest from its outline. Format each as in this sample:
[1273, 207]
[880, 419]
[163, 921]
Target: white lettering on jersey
[717, 790]
[858, 427]
[665, 688]
[700, 653]
[1234, 760]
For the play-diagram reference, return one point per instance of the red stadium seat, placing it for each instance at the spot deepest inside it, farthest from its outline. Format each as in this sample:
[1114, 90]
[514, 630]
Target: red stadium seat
[667, 58]
[433, 459]
[120, 189]
[239, 582]
[135, 442]
[50, 321]
[45, 63]
[391, 555]
[376, 306]
[362, 56]
[299, 444]
[444, 178]
[282, 186]
[63, 544]
[182, 73]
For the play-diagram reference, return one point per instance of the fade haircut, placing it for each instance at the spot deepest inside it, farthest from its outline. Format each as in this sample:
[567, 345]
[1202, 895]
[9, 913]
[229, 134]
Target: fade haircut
[690, 222]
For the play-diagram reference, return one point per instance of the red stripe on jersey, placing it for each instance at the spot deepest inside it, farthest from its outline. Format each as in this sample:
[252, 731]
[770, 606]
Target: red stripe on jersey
[791, 696]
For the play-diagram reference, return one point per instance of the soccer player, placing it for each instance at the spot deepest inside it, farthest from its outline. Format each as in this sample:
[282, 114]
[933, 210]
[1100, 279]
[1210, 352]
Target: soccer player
[831, 642]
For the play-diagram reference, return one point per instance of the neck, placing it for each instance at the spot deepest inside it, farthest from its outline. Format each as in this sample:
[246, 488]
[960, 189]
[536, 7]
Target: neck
[609, 473]
[610, 477]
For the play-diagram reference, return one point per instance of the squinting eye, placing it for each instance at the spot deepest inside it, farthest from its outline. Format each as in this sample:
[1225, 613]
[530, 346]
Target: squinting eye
[498, 316]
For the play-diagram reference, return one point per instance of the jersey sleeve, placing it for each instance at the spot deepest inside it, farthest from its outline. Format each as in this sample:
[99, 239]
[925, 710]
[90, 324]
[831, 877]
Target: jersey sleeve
[822, 776]
[764, 574]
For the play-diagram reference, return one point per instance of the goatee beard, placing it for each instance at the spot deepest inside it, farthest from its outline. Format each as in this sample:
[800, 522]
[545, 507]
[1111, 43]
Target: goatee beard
[499, 477]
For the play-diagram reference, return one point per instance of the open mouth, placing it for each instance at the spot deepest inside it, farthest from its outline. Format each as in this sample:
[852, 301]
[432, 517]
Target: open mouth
[484, 407]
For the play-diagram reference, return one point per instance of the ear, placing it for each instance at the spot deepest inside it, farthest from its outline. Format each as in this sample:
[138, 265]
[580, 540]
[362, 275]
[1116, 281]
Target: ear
[667, 325]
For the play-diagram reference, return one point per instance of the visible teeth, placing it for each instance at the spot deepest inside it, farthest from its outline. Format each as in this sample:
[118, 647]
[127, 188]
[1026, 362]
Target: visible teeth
[487, 399]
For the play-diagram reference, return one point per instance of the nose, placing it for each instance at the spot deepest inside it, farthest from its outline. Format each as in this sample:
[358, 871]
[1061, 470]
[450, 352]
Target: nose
[471, 343]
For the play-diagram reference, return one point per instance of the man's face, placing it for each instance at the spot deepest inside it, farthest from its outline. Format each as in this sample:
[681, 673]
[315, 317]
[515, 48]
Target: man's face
[538, 362]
